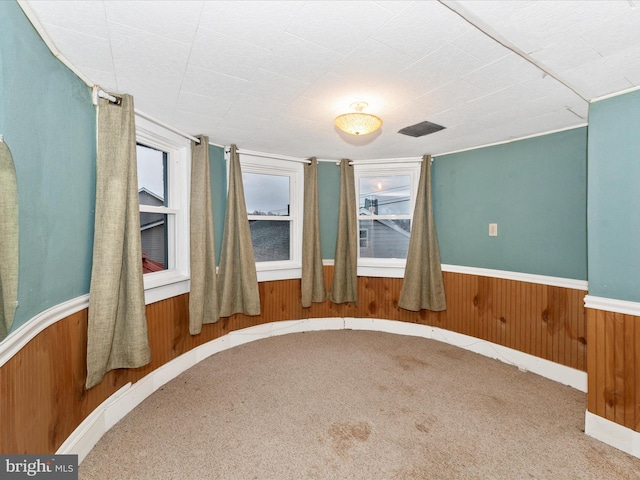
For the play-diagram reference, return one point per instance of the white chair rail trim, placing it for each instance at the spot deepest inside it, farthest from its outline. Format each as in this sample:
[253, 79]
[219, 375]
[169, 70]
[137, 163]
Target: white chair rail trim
[112, 410]
[612, 305]
[27, 331]
[398, 272]
[521, 277]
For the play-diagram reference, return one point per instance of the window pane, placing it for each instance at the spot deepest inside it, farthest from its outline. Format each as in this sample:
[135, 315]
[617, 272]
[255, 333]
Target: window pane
[152, 190]
[152, 176]
[384, 238]
[153, 233]
[266, 194]
[385, 195]
[270, 240]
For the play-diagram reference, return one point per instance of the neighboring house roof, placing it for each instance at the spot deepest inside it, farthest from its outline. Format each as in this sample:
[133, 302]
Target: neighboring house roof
[147, 219]
[158, 200]
[150, 266]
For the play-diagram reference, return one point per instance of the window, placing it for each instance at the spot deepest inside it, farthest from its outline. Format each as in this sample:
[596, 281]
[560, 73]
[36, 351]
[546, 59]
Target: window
[154, 214]
[273, 191]
[268, 206]
[163, 196]
[386, 198]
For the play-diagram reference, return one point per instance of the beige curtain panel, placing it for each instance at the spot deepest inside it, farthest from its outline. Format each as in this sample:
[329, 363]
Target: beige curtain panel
[423, 287]
[313, 286]
[8, 240]
[117, 330]
[203, 298]
[344, 287]
[238, 282]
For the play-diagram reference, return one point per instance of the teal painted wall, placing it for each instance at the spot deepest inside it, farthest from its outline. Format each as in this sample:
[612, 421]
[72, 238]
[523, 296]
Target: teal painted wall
[218, 194]
[328, 199]
[48, 121]
[614, 198]
[534, 189]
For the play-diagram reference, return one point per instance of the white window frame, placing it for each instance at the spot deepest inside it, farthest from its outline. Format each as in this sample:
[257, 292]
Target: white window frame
[267, 165]
[385, 267]
[174, 280]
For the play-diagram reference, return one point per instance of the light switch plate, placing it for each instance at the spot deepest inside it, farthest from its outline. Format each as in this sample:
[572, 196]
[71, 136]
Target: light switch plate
[493, 229]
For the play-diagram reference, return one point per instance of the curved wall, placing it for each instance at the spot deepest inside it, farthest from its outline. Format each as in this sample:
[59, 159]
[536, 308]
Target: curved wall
[48, 121]
[535, 189]
[42, 385]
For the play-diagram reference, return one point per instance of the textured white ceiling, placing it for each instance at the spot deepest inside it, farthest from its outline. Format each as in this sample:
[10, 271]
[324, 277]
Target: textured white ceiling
[272, 75]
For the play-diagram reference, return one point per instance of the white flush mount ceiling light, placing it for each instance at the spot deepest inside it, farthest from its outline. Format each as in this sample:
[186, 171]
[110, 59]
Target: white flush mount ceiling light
[358, 123]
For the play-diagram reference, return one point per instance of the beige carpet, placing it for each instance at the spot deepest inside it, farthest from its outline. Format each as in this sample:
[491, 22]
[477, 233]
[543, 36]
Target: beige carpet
[356, 405]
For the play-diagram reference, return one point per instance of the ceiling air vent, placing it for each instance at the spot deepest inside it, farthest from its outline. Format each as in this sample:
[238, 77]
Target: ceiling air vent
[421, 129]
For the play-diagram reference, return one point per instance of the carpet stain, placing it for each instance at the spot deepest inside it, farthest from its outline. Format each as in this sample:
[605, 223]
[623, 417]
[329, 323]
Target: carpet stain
[345, 435]
[426, 423]
[414, 473]
[421, 427]
[408, 390]
[408, 363]
[452, 354]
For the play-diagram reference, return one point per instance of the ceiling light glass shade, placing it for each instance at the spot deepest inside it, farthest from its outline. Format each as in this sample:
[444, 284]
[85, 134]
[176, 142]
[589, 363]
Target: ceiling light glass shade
[358, 123]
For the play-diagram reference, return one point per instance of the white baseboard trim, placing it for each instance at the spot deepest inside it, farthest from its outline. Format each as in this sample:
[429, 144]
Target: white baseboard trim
[613, 434]
[116, 407]
[612, 305]
[91, 430]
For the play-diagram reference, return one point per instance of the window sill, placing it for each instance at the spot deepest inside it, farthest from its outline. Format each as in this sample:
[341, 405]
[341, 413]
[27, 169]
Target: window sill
[387, 271]
[282, 273]
[156, 289]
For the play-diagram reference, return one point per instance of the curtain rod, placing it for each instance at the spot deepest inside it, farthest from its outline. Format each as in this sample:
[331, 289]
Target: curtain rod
[118, 100]
[269, 155]
[385, 160]
[168, 127]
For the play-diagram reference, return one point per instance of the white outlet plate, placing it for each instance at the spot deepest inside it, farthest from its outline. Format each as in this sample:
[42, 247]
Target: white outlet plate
[493, 229]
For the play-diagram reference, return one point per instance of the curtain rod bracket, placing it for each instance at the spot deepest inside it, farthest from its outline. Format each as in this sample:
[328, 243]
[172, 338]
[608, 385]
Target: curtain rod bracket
[99, 93]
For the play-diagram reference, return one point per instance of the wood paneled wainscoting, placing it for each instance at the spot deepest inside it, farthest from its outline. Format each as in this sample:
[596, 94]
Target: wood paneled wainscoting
[614, 367]
[42, 395]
